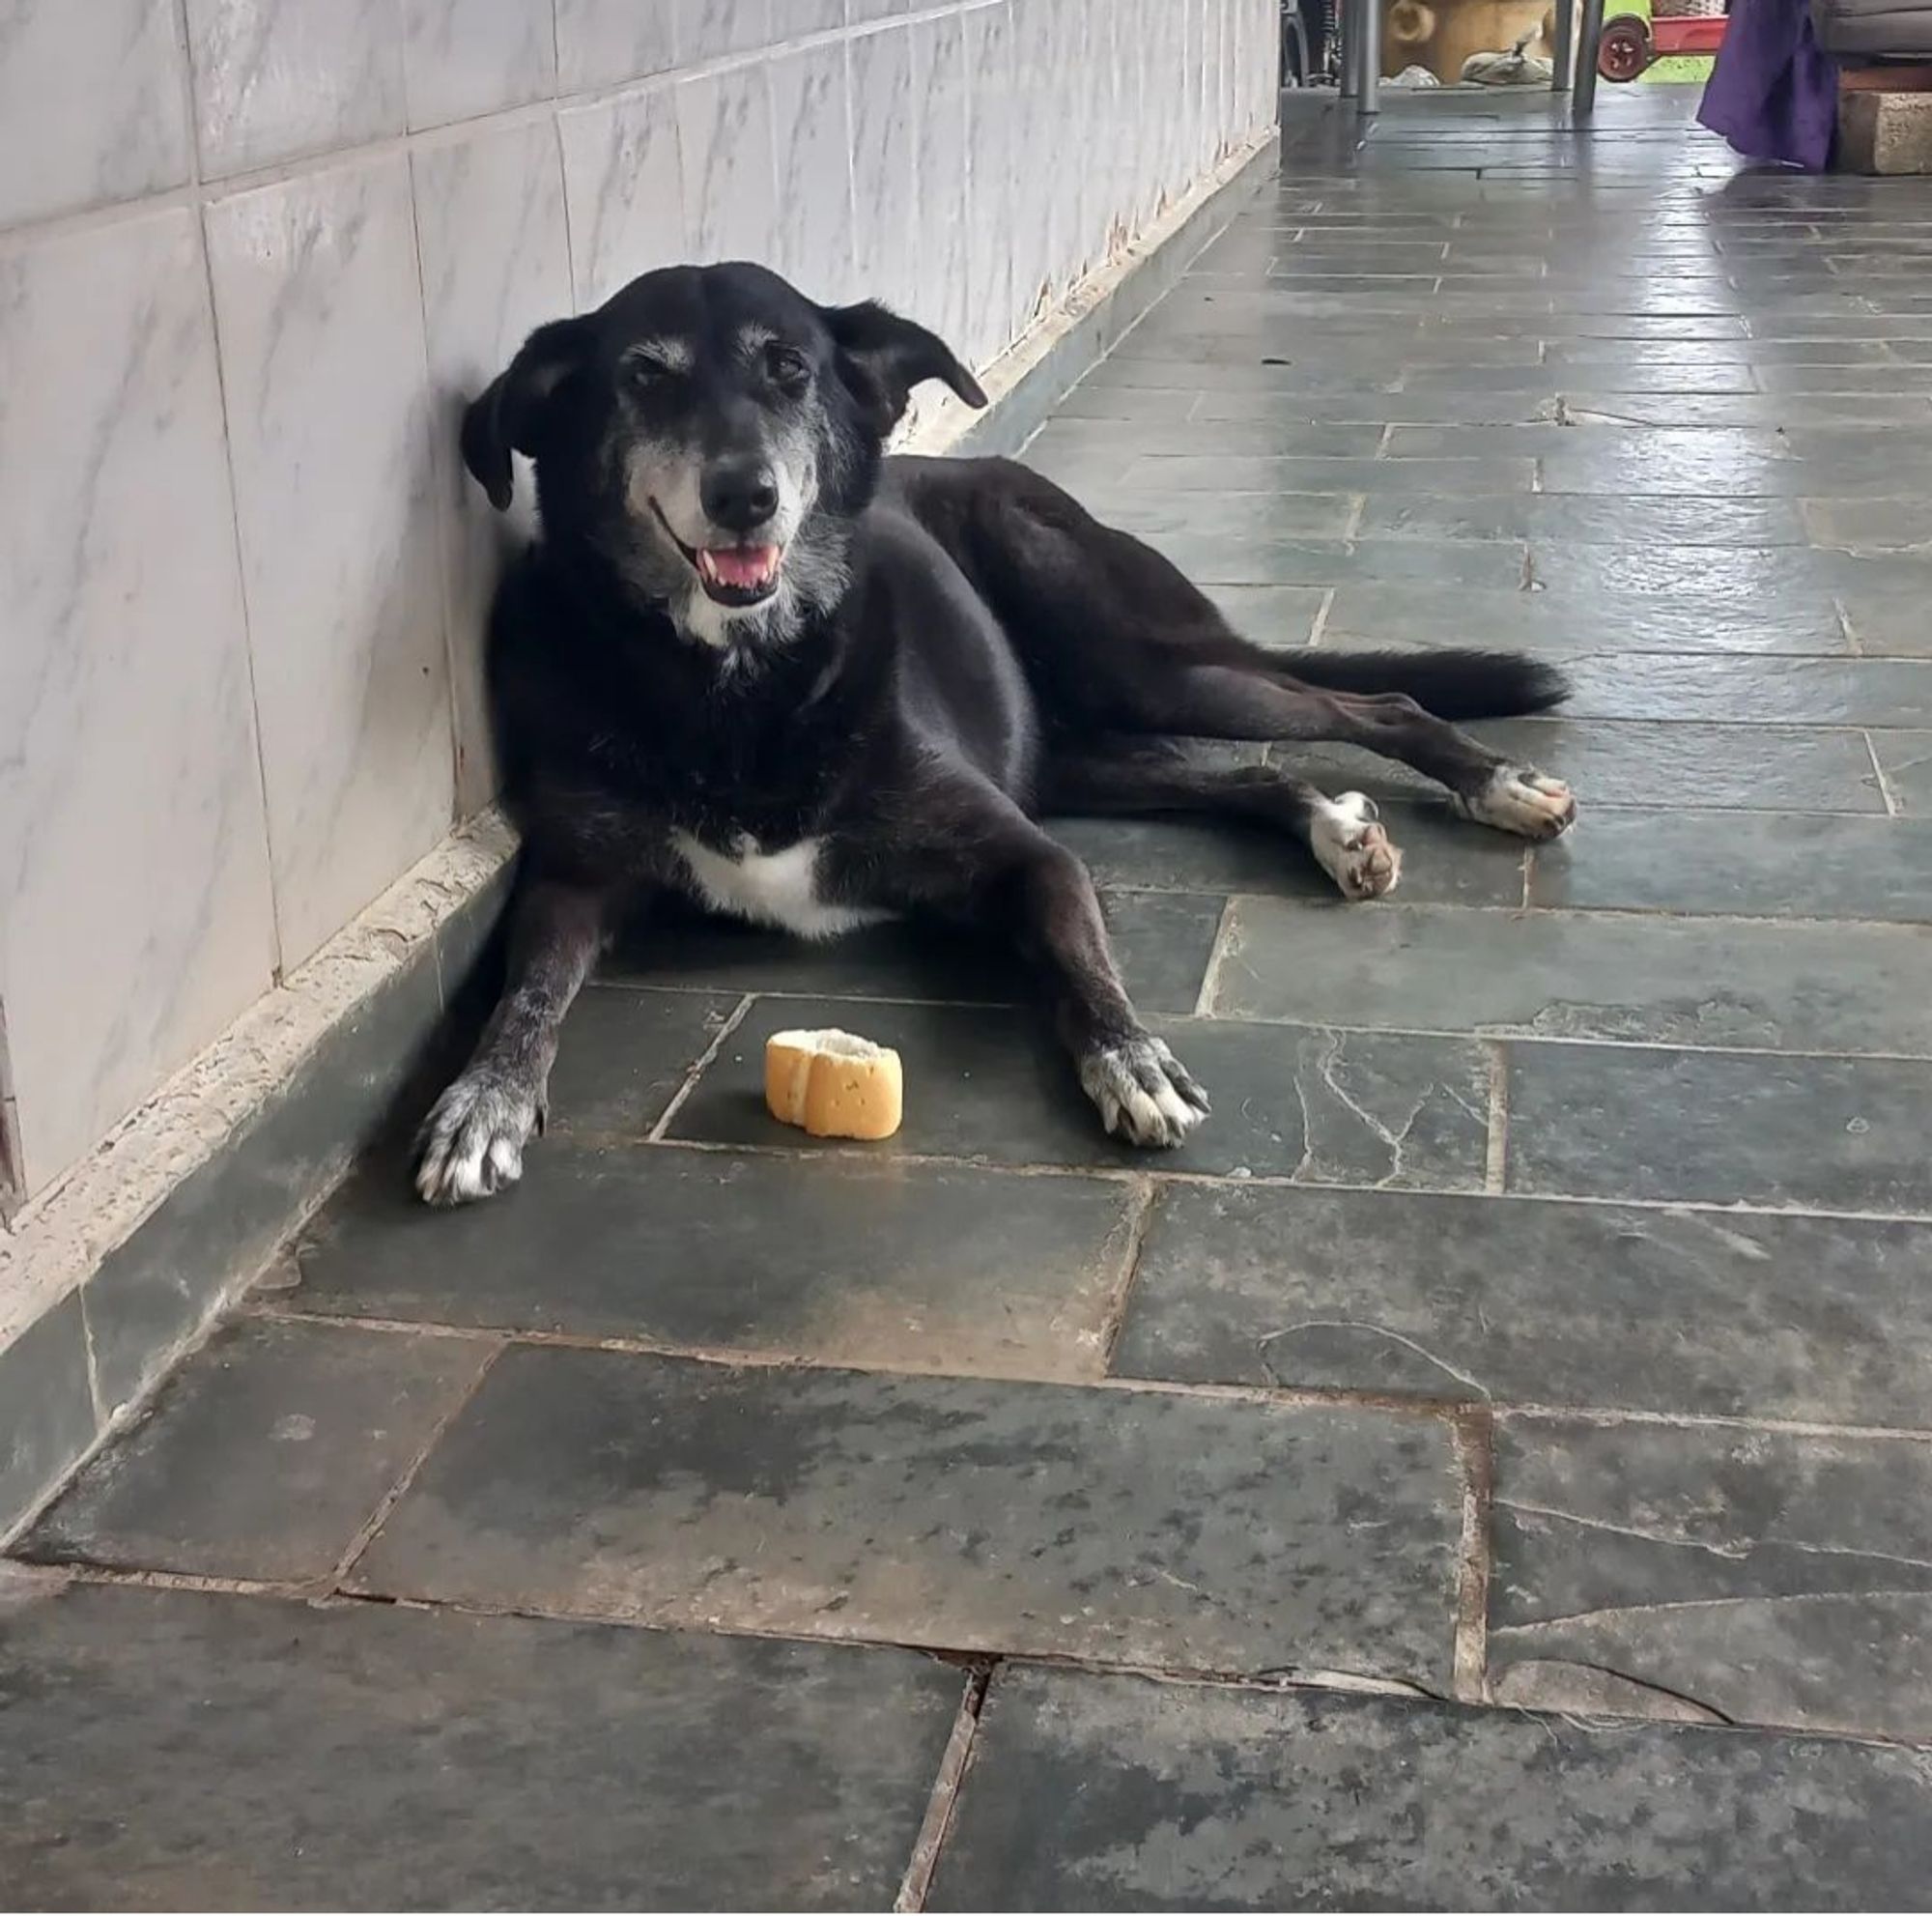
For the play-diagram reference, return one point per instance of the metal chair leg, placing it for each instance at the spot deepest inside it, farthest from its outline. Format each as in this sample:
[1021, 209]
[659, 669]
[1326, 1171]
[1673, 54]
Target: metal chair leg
[1583, 98]
[1348, 16]
[1563, 47]
[1369, 100]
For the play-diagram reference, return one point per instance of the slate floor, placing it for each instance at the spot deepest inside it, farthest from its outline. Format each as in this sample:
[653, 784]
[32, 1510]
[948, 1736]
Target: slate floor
[1490, 1467]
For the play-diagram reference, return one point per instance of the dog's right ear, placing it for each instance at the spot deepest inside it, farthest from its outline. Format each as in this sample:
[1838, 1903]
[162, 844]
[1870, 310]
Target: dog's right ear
[508, 416]
[884, 357]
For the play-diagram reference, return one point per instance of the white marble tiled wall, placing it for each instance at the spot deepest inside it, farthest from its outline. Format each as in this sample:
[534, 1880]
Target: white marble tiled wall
[255, 254]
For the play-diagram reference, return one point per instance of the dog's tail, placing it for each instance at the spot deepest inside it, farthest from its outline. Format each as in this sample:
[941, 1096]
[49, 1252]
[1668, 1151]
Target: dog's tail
[1450, 684]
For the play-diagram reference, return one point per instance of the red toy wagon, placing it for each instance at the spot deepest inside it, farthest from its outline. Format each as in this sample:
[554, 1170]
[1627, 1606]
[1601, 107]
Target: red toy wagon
[1628, 44]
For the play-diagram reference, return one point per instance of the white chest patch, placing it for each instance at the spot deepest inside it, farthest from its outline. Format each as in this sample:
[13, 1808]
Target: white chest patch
[769, 887]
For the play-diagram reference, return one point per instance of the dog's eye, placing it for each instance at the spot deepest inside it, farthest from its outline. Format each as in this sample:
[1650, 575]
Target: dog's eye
[786, 366]
[647, 374]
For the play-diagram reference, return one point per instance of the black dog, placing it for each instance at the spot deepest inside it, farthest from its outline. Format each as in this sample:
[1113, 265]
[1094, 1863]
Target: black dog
[754, 662]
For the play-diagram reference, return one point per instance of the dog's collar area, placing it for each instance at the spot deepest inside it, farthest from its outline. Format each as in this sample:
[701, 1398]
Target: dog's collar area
[744, 575]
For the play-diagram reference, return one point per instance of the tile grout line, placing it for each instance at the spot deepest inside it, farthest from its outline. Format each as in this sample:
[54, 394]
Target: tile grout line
[1892, 808]
[1474, 1439]
[1294, 1682]
[365, 1532]
[1318, 631]
[705, 1060]
[1496, 1030]
[201, 188]
[1281, 1397]
[1140, 1215]
[1495, 1156]
[937, 1823]
[1218, 954]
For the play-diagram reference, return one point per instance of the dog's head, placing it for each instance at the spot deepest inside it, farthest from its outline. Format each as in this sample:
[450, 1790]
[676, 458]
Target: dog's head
[712, 434]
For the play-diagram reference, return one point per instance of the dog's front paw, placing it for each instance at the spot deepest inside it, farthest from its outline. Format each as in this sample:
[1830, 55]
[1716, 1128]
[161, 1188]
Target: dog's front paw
[1515, 798]
[1353, 849]
[471, 1144]
[1144, 1093]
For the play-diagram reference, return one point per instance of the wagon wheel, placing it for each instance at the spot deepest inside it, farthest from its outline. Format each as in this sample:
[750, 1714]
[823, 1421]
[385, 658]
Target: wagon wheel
[1623, 50]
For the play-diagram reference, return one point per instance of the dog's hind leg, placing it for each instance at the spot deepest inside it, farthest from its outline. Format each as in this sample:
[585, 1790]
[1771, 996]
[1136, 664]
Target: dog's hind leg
[1116, 639]
[471, 1144]
[1240, 701]
[1342, 833]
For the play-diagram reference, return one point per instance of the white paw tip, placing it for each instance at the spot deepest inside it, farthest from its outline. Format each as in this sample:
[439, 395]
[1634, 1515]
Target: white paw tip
[1144, 1094]
[1354, 848]
[1523, 800]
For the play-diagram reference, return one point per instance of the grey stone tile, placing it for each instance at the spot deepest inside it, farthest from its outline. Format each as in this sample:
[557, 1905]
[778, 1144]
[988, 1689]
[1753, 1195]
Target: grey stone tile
[1689, 464]
[1221, 382]
[1112, 1793]
[838, 1260]
[1744, 409]
[1159, 1530]
[1348, 401]
[1224, 558]
[1608, 362]
[1254, 519]
[1274, 616]
[1151, 443]
[1583, 518]
[263, 1455]
[1582, 621]
[1524, 441]
[1675, 1311]
[625, 1053]
[1769, 1576]
[1696, 767]
[1906, 759]
[1720, 1127]
[1766, 864]
[1327, 1107]
[1550, 380]
[1644, 978]
[1110, 399]
[1750, 574]
[1162, 942]
[374, 1758]
[1874, 380]
[1222, 472]
[1446, 861]
[1889, 626]
[1759, 691]
[47, 1407]
[1295, 256]
[1869, 525]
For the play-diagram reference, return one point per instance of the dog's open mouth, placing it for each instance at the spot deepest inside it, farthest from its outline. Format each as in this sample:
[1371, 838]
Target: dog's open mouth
[731, 575]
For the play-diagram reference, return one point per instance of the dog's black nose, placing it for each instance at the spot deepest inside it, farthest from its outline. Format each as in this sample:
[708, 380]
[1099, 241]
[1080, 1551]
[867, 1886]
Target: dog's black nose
[739, 493]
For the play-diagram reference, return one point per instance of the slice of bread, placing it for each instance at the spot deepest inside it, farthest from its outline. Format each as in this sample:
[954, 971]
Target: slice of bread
[833, 1084]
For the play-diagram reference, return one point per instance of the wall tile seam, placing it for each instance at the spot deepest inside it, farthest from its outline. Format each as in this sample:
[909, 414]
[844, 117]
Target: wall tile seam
[202, 188]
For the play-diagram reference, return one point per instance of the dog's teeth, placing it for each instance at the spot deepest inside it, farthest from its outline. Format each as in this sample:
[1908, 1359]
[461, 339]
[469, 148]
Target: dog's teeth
[743, 566]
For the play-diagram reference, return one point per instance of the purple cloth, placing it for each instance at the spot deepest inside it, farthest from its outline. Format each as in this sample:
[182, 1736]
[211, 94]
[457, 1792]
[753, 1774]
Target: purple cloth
[1773, 93]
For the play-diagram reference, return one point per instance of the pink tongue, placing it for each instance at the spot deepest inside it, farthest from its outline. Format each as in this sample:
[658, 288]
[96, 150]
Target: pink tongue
[742, 565]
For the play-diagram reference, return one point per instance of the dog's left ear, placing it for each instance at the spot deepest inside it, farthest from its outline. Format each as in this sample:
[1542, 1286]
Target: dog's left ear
[883, 357]
[508, 414]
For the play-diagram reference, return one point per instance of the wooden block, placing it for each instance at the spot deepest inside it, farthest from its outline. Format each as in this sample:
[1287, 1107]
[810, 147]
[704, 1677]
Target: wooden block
[1885, 79]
